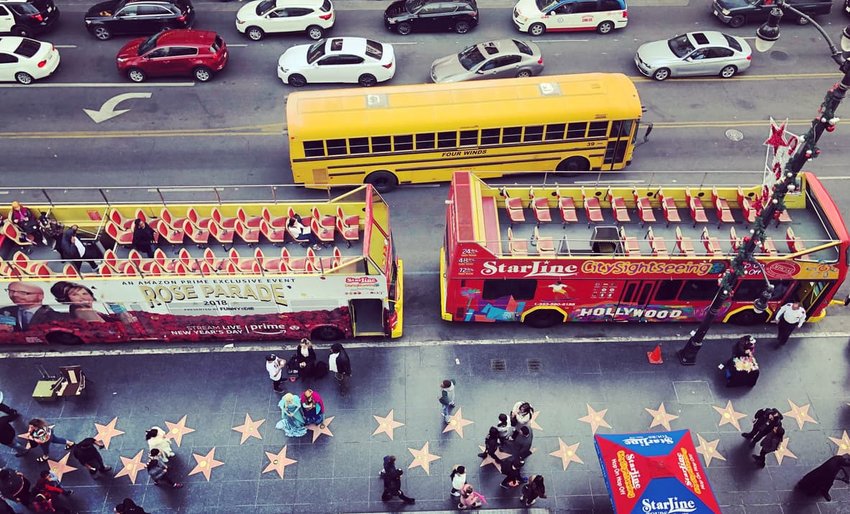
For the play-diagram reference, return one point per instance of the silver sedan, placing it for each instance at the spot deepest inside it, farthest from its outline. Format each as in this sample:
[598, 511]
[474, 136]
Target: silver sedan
[694, 53]
[494, 59]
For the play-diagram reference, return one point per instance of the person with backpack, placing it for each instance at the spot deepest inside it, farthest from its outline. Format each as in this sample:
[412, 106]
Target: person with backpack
[392, 482]
[447, 398]
[158, 470]
[535, 488]
[458, 478]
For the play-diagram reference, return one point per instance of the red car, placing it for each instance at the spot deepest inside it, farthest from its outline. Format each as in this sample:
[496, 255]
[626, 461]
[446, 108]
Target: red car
[198, 53]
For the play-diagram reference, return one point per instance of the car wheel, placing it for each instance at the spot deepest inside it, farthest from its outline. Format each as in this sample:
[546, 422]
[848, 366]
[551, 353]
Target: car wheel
[523, 73]
[136, 75]
[537, 29]
[728, 72]
[605, 27]
[573, 164]
[102, 33]
[20, 31]
[255, 33]
[315, 32]
[403, 28]
[202, 74]
[737, 21]
[661, 74]
[462, 27]
[383, 181]
[296, 80]
[23, 78]
[367, 80]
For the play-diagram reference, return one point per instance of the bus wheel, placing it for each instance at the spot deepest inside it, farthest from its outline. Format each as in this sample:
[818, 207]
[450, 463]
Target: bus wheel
[64, 338]
[327, 333]
[574, 164]
[383, 181]
[749, 317]
[544, 318]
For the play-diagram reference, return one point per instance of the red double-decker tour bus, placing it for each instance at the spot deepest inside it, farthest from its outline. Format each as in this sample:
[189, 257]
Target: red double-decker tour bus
[546, 255]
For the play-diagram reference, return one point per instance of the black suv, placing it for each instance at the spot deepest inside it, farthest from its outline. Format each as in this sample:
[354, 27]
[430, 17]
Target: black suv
[138, 17]
[738, 12]
[27, 17]
[405, 16]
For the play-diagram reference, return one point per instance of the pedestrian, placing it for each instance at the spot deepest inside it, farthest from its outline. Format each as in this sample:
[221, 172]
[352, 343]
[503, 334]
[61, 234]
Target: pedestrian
[303, 361]
[340, 365]
[86, 452]
[291, 417]
[275, 366]
[15, 486]
[72, 249]
[504, 429]
[770, 444]
[156, 439]
[447, 398]
[521, 414]
[535, 488]
[41, 434]
[143, 237]
[128, 506]
[5, 408]
[510, 467]
[520, 445]
[313, 408]
[47, 502]
[49, 484]
[763, 423]
[158, 470]
[392, 482]
[491, 444]
[819, 480]
[790, 316]
[470, 498]
[9, 436]
[458, 478]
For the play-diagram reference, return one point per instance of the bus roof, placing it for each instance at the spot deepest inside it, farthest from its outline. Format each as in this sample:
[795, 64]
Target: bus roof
[489, 103]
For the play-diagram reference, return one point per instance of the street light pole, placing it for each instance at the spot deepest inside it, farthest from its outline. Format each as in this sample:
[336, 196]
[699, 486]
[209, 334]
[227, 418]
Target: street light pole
[826, 120]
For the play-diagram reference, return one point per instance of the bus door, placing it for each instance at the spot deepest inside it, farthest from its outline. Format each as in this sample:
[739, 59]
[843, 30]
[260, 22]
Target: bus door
[633, 300]
[811, 294]
[367, 316]
[619, 139]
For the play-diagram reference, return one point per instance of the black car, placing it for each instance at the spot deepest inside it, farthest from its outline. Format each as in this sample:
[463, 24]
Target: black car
[738, 12]
[405, 16]
[27, 17]
[138, 17]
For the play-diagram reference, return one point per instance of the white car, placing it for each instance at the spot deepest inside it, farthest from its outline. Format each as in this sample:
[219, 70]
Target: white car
[261, 17]
[540, 16]
[353, 60]
[24, 59]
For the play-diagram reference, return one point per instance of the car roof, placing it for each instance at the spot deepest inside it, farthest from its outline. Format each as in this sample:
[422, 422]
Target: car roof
[10, 43]
[707, 38]
[498, 46]
[160, 2]
[299, 3]
[186, 37]
[350, 45]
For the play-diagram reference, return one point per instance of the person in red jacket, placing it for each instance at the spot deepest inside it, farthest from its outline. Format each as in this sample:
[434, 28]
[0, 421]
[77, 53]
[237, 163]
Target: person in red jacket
[50, 495]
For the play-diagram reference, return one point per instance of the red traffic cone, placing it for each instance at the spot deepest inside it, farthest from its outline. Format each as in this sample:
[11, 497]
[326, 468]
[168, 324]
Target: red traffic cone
[654, 356]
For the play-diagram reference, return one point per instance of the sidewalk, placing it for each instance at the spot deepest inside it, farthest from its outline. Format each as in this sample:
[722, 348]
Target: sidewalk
[339, 473]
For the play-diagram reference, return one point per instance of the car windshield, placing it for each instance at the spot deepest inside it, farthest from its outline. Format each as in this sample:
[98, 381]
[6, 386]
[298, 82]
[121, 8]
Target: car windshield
[315, 51]
[148, 44]
[28, 47]
[264, 7]
[470, 57]
[374, 49]
[680, 45]
[545, 5]
[413, 6]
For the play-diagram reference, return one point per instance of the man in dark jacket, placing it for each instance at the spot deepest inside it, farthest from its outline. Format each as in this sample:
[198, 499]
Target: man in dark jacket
[491, 445]
[392, 481]
[511, 467]
[128, 506]
[763, 423]
[86, 452]
[14, 486]
[521, 444]
[770, 444]
[9, 436]
[340, 364]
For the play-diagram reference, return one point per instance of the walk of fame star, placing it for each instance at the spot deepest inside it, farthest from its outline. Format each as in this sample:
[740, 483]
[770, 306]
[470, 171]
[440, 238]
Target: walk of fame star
[799, 413]
[456, 423]
[567, 453]
[533, 423]
[205, 463]
[660, 417]
[843, 444]
[249, 429]
[131, 467]
[60, 467]
[490, 460]
[595, 419]
[708, 449]
[176, 431]
[318, 432]
[387, 424]
[422, 458]
[729, 416]
[106, 432]
[783, 451]
[278, 462]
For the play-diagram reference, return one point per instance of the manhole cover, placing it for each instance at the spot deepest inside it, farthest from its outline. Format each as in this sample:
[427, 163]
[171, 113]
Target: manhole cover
[779, 55]
[734, 135]
[498, 365]
[534, 365]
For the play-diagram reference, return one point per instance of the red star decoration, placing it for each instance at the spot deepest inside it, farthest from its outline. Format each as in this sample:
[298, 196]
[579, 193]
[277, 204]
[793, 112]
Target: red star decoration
[777, 135]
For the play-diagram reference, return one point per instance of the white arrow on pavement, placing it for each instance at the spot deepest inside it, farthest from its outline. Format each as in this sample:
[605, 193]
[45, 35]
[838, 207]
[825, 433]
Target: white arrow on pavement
[107, 110]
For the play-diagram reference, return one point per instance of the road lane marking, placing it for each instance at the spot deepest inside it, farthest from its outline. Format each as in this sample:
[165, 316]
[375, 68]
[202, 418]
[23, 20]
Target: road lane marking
[238, 45]
[98, 84]
[560, 40]
[65, 46]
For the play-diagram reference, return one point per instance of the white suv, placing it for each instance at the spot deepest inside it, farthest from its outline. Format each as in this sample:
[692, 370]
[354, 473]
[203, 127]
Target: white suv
[260, 17]
[540, 16]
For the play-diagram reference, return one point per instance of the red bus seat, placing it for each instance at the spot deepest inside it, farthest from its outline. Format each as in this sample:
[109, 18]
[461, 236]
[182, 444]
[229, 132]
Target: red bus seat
[121, 236]
[712, 246]
[326, 220]
[684, 244]
[222, 221]
[116, 217]
[199, 236]
[540, 206]
[545, 245]
[347, 226]
[795, 244]
[513, 206]
[165, 214]
[695, 206]
[769, 247]
[668, 206]
[516, 246]
[324, 233]
[631, 246]
[274, 221]
[591, 208]
[721, 206]
[250, 235]
[656, 243]
[251, 222]
[221, 234]
[567, 206]
[276, 236]
[734, 240]
[644, 208]
[618, 205]
[196, 219]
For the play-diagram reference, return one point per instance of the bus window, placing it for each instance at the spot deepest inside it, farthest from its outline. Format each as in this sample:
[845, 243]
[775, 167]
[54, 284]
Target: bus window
[698, 290]
[446, 139]
[555, 132]
[402, 143]
[468, 138]
[668, 290]
[425, 141]
[490, 136]
[511, 134]
[314, 148]
[576, 130]
[337, 147]
[533, 133]
[749, 290]
[381, 144]
[519, 288]
[358, 145]
[598, 129]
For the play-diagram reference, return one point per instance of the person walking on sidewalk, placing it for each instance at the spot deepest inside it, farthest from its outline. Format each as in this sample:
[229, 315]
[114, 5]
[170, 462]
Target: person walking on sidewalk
[790, 316]
[447, 398]
[41, 434]
[521, 444]
[48, 484]
[158, 470]
[511, 467]
[504, 429]
[128, 506]
[291, 417]
[86, 452]
[763, 423]
[9, 436]
[770, 444]
[521, 414]
[5, 408]
[340, 365]
[458, 478]
[275, 366]
[392, 481]
[470, 498]
[535, 488]
[156, 439]
[818, 481]
[491, 445]
[313, 408]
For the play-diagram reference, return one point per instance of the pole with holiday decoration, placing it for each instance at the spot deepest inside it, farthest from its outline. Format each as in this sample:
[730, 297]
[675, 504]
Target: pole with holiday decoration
[807, 149]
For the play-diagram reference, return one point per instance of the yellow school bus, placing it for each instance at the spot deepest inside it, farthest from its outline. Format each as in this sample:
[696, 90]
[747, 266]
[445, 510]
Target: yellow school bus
[386, 136]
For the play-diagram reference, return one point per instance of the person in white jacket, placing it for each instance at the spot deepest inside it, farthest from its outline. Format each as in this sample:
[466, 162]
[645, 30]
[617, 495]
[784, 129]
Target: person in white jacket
[156, 440]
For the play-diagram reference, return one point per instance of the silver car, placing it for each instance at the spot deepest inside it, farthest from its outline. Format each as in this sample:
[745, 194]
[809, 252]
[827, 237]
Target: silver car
[494, 59]
[694, 53]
